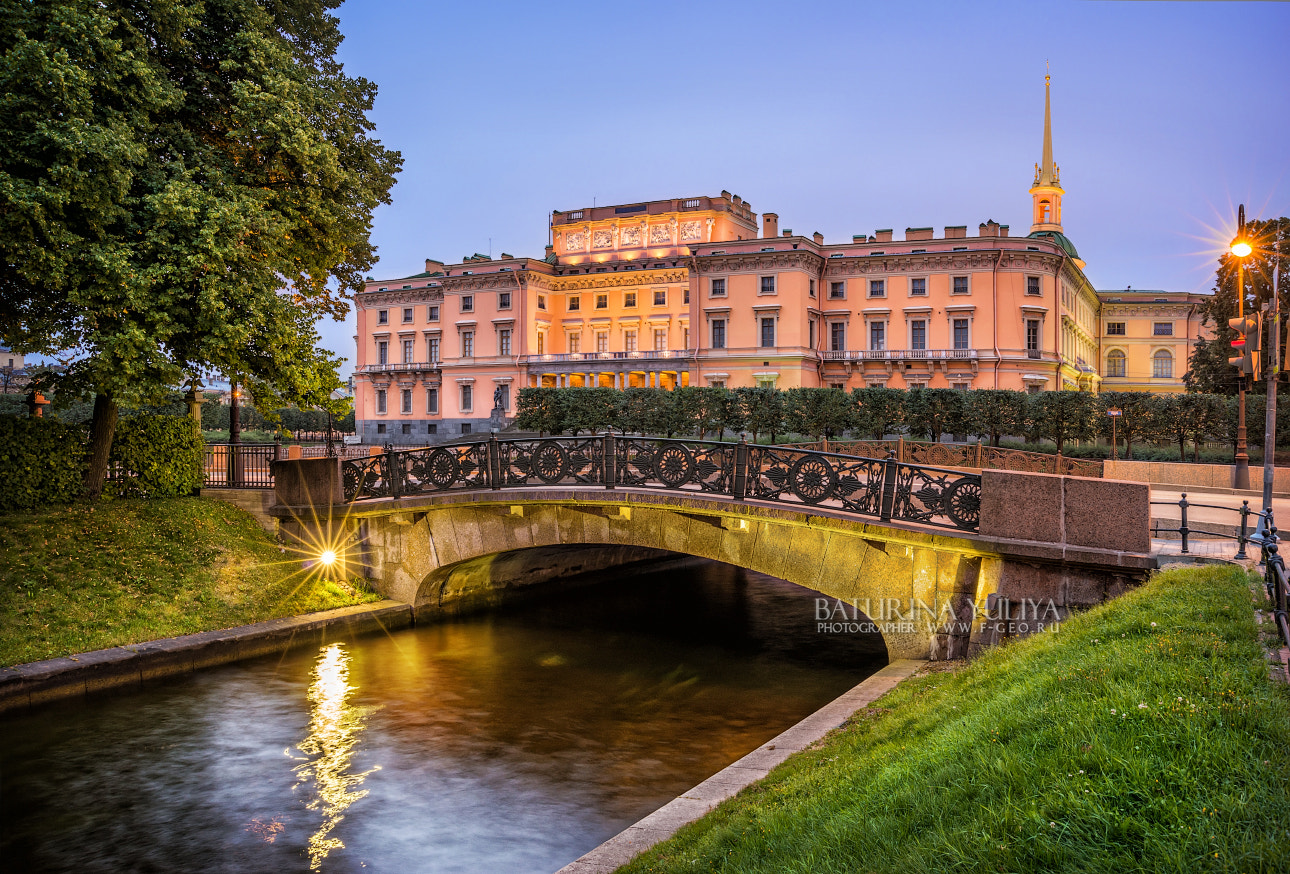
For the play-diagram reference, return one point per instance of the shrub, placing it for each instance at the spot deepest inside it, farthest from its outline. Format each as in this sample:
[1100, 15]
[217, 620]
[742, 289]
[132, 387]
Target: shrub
[42, 461]
[155, 457]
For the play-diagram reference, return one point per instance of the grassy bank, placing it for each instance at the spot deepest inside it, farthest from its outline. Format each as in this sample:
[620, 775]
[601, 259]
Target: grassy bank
[1144, 736]
[84, 577]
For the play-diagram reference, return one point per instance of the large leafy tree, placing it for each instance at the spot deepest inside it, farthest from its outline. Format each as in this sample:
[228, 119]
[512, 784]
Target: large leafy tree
[185, 187]
[994, 412]
[1062, 416]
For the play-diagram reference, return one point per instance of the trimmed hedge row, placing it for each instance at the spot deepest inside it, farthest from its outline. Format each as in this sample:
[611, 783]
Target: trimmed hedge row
[43, 461]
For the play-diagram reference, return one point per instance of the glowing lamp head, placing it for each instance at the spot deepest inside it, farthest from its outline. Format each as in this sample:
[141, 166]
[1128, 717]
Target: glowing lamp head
[328, 557]
[1241, 248]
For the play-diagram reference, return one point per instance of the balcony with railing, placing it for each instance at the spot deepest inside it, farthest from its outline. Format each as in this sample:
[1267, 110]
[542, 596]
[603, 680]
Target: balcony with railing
[414, 366]
[900, 355]
[579, 360]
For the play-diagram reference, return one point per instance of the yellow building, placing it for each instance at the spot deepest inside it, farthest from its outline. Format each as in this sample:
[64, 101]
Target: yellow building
[1147, 338]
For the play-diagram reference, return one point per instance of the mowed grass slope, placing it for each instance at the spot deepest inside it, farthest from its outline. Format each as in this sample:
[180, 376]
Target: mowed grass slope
[1145, 736]
[90, 576]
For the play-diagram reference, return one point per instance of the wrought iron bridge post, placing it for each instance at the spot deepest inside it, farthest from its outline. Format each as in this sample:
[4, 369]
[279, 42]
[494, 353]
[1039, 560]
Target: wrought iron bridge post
[609, 462]
[890, 470]
[1245, 516]
[739, 483]
[393, 471]
[494, 462]
[1182, 526]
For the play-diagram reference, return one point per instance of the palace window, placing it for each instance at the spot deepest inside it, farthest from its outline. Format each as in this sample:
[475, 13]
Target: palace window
[718, 333]
[1032, 286]
[660, 297]
[380, 428]
[918, 334]
[407, 314]
[837, 291]
[406, 400]
[407, 428]
[877, 288]
[838, 336]
[810, 287]
[467, 303]
[382, 352]
[432, 313]
[918, 286]
[407, 351]
[685, 294]
[465, 427]
[504, 341]
[380, 400]
[960, 285]
[629, 341]
[877, 336]
[767, 285]
[718, 288]
[382, 317]
[961, 339]
[660, 339]
[629, 299]
[602, 301]
[432, 428]
[1163, 329]
[768, 332]
[541, 342]
[575, 343]
[575, 303]
[503, 300]
[602, 341]
[467, 344]
[1115, 329]
[1032, 335]
[541, 301]
[1162, 365]
[467, 398]
[432, 400]
[432, 349]
[1115, 363]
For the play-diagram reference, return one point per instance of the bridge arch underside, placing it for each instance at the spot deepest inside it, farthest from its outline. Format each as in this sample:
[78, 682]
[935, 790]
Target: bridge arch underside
[453, 557]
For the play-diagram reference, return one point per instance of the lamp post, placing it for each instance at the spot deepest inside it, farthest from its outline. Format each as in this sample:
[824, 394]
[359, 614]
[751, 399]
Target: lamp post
[1241, 249]
[1274, 359]
[1114, 413]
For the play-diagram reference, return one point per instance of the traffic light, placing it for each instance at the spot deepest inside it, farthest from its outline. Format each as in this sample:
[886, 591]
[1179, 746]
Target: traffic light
[1249, 330]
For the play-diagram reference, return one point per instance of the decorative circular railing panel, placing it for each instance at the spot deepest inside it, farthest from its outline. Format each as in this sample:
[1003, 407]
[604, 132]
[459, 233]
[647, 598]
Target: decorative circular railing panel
[884, 488]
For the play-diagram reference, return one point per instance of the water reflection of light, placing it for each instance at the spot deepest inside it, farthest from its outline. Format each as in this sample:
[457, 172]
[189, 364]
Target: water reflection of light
[334, 729]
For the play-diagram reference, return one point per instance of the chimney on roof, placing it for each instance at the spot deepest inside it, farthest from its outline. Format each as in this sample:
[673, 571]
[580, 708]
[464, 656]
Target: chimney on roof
[770, 224]
[883, 235]
[988, 229]
[433, 265]
[818, 238]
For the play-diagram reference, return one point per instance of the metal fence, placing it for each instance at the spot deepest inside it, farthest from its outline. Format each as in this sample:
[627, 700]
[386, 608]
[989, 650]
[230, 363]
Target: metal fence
[972, 455]
[1277, 582]
[883, 488]
[1243, 536]
[241, 465]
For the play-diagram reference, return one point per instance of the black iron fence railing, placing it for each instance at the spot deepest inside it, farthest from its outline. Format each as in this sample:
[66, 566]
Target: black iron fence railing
[1277, 582]
[241, 465]
[972, 455]
[885, 488]
[1187, 528]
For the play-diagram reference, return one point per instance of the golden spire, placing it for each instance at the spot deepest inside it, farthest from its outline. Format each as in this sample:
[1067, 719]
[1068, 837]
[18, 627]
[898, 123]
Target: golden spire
[1047, 172]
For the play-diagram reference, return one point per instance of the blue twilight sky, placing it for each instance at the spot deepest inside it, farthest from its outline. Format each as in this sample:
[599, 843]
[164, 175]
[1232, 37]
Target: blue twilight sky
[843, 117]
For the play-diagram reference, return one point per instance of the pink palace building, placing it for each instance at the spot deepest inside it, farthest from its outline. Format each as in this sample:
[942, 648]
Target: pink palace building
[699, 291]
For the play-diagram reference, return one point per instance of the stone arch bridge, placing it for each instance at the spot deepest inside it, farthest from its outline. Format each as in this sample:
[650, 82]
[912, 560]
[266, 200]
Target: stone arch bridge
[942, 561]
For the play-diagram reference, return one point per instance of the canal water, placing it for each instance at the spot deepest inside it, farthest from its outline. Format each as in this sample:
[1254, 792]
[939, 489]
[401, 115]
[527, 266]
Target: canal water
[511, 742]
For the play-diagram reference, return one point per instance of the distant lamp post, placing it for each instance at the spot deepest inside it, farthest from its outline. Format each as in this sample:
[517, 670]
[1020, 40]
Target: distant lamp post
[1114, 413]
[1241, 248]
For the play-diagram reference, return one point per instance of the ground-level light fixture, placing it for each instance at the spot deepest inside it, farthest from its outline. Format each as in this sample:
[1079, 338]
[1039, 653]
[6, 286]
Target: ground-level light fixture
[327, 557]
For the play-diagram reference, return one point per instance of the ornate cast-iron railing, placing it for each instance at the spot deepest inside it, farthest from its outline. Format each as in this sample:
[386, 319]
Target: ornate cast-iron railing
[971, 455]
[885, 488]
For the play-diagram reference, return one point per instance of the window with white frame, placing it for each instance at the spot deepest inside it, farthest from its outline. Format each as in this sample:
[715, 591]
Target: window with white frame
[382, 352]
[504, 341]
[503, 300]
[877, 288]
[467, 344]
[407, 315]
[432, 400]
[1162, 364]
[629, 340]
[767, 285]
[432, 313]
[877, 336]
[660, 339]
[575, 343]
[718, 333]
[1162, 329]
[406, 399]
[837, 291]
[467, 303]
[918, 334]
[575, 303]
[629, 299]
[380, 400]
[1032, 335]
[660, 297]
[768, 332]
[467, 397]
[1115, 363]
[918, 286]
[602, 341]
[432, 350]
[407, 352]
[959, 285]
[1115, 329]
[1032, 286]
[717, 288]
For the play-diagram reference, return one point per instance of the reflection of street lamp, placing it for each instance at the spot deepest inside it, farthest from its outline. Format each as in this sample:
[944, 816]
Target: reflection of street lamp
[1241, 249]
[1115, 413]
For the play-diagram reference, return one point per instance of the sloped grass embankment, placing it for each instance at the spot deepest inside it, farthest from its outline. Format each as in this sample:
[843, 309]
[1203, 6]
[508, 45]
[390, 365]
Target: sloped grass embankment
[90, 576]
[1145, 736]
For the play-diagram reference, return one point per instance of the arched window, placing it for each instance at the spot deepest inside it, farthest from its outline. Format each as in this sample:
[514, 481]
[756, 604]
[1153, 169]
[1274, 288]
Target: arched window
[1115, 363]
[1162, 364]
[1045, 209]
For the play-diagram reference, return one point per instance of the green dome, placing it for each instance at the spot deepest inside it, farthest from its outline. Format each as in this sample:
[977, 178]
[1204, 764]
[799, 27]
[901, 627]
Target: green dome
[1058, 238]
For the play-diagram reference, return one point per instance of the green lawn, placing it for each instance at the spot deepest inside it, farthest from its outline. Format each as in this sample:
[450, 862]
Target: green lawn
[1145, 736]
[90, 576]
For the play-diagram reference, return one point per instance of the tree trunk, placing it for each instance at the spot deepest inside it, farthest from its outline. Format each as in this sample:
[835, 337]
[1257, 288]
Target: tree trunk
[102, 427]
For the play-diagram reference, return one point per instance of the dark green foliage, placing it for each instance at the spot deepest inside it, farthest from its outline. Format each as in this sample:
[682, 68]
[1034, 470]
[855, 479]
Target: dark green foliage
[763, 410]
[643, 411]
[1061, 416]
[931, 412]
[879, 411]
[157, 457]
[42, 462]
[594, 410]
[1143, 416]
[817, 412]
[992, 413]
[539, 409]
